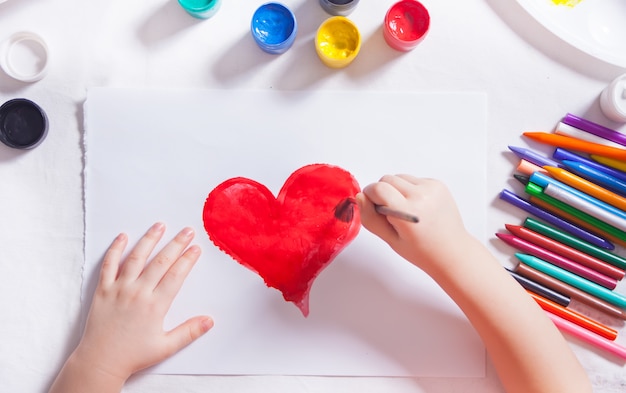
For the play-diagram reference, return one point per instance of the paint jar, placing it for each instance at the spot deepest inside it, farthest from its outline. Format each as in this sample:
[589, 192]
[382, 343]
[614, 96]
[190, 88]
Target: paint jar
[24, 56]
[23, 124]
[337, 42]
[613, 100]
[406, 24]
[201, 9]
[274, 28]
[339, 7]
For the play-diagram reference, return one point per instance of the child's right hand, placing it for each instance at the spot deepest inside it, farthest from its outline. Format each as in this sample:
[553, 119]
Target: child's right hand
[431, 244]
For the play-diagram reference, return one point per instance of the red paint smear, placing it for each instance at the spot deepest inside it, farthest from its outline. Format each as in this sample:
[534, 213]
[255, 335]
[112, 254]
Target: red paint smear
[287, 240]
[408, 20]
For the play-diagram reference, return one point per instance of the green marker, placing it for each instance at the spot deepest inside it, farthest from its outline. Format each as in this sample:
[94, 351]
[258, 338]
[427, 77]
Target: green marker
[573, 280]
[537, 191]
[574, 242]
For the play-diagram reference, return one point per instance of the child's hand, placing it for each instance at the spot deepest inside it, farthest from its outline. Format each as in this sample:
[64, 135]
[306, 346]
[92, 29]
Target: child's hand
[124, 331]
[429, 242]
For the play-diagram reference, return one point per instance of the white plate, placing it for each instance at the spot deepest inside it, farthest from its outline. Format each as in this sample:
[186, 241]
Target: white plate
[597, 27]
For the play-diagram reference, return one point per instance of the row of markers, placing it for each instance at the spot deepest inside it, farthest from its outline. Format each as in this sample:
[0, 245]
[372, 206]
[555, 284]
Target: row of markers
[566, 247]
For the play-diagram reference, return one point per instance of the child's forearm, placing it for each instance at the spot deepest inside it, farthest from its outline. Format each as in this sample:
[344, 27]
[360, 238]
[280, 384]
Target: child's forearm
[527, 350]
[79, 376]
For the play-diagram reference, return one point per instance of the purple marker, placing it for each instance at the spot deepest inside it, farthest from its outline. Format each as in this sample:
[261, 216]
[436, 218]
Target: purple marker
[595, 129]
[535, 158]
[523, 204]
[562, 154]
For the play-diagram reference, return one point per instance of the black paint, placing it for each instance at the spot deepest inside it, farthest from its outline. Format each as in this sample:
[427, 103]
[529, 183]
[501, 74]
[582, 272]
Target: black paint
[23, 124]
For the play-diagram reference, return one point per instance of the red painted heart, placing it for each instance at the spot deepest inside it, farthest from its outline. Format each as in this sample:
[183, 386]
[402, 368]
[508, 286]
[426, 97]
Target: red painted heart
[287, 240]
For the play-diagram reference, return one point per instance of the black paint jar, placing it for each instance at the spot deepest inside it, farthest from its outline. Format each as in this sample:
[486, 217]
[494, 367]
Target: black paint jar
[23, 124]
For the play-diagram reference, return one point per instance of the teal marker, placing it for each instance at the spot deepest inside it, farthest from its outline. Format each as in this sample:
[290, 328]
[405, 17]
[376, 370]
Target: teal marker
[573, 280]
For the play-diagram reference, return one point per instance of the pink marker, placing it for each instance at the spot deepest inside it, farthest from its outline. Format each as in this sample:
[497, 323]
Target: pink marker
[588, 336]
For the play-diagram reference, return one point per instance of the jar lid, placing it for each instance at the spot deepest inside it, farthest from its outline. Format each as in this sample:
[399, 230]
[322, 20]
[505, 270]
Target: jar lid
[23, 124]
[24, 56]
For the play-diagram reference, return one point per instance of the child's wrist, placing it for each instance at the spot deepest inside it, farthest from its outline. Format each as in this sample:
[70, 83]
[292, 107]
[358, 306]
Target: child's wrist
[89, 364]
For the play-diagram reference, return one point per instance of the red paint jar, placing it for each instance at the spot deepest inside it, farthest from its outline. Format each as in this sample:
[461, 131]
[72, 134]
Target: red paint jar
[406, 24]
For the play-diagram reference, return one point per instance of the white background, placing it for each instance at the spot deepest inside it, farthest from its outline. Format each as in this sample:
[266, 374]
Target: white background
[531, 78]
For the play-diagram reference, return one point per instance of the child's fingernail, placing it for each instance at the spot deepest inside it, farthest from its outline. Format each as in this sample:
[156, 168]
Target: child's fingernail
[207, 324]
[158, 227]
[187, 232]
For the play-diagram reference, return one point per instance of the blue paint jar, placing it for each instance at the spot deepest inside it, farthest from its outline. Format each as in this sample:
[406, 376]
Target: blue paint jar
[201, 9]
[274, 28]
[339, 7]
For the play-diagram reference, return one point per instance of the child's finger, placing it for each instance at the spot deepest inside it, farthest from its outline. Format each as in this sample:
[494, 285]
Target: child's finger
[404, 185]
[187, 332]
[374, 222]
[173, 279]
[111, 261]
[136, 260]
[161, 263]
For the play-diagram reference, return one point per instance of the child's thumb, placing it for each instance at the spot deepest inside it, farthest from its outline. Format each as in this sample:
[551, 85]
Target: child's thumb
[190, 330]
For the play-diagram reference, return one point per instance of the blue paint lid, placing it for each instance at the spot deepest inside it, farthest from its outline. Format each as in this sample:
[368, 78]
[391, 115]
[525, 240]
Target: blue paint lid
[23, 124]
[339, 7]
[274, 28]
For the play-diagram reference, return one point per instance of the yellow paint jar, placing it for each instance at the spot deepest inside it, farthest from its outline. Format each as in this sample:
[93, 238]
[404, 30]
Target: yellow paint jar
[337, 41]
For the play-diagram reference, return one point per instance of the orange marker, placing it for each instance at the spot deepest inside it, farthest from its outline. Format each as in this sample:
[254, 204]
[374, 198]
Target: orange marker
[587, 187]
[567, 142]
[574, 317]
[528, 168]
[576, 221]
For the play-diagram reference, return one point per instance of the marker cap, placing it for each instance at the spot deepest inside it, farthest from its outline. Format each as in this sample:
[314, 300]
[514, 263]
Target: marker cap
[613, 100]
[23, 124]
[24, 56]
[274, 28]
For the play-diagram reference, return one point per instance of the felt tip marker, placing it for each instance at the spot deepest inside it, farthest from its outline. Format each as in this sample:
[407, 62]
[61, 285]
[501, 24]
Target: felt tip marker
[562, 154]
[597, 176]
[577, 144]
[540, 289]
[567, 130]
[566, 251]
[539, 193]
[574, 317]
[586, 186]
[533, 157]
[558, 260]
[616, 164]
[544, 180]
[573, 280]
[528, 168]
[595, 129]
[609, 216]
[574, 242]
[541, 213]
[587, 336]
[575, 220]
[573, 293]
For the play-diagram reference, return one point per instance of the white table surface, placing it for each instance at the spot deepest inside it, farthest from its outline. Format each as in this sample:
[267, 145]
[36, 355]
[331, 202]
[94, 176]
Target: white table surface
[531, 77]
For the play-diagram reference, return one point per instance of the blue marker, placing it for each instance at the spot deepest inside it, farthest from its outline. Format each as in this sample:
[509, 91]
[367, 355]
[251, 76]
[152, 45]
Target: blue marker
[596, 176]
[558, 222]
[562, 154]
[535, 158]
[543, 180]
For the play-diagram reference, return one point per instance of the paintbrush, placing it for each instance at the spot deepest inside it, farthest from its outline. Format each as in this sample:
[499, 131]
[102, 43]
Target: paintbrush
[344, 211]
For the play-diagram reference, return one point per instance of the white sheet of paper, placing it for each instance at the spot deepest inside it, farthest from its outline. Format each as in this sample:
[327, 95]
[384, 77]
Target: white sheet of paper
[154, 155]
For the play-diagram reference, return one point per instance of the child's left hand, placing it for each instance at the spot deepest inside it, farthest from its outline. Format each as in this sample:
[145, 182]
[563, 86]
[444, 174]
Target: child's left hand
[124, 331]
